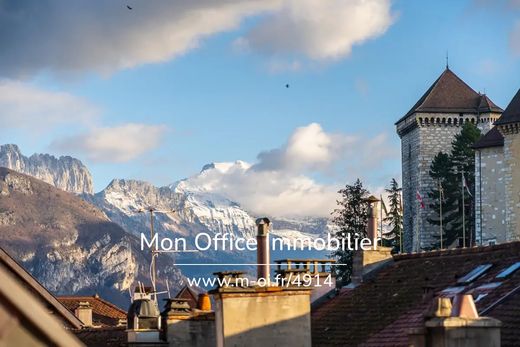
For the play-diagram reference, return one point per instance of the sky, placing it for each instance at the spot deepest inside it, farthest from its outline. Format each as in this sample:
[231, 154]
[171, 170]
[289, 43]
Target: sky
[306, 92]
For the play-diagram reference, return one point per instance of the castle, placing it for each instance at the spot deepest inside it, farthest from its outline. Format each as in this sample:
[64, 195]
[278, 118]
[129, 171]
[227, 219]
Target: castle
[430, 127]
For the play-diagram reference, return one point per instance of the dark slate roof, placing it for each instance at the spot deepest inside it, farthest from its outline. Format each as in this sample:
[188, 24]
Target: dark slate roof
[191, 295]
[381, 310]
[492, 138]
[103, 337]
[450, 94]
[512, 112]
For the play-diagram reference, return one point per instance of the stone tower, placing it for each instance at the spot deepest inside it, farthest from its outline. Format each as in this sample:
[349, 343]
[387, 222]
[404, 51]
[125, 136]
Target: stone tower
[509, 127]
[428, 128]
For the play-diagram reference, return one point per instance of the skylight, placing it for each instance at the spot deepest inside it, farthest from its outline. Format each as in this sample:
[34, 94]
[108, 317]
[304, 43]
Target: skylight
[474, 274]
[509, 270]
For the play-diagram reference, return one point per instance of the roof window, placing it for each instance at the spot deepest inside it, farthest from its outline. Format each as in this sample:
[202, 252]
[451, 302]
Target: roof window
[509, 270]
[475, 273]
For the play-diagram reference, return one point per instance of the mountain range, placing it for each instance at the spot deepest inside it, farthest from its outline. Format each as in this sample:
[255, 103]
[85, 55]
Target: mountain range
[183, 209]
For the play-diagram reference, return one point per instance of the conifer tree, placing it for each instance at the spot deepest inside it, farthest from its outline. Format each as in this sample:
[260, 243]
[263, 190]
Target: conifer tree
[445, 180]
[446, 170]
[463, 160]
[350, 218]
[394, 217]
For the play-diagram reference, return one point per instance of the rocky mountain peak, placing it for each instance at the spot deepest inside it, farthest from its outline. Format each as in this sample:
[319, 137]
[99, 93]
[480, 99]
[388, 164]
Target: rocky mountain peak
[65, 172]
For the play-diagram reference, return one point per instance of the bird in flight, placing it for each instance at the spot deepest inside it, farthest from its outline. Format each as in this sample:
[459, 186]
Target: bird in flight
[128, 7]
[287, 86]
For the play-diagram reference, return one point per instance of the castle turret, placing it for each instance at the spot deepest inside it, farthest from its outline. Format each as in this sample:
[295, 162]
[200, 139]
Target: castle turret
[509, 127]
[428, 128]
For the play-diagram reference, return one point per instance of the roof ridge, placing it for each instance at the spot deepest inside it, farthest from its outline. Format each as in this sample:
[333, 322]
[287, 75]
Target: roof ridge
[456, 251]
[91, 297]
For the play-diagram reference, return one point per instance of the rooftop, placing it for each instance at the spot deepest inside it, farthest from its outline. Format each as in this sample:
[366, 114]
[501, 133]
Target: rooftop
[104, 313]
[381, 310]
[492, 138]
[512, 112]
[450, 94]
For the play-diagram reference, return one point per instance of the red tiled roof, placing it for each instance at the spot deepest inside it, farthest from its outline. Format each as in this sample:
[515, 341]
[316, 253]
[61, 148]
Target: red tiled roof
[380, 311]
[104, 313]
[450, 94]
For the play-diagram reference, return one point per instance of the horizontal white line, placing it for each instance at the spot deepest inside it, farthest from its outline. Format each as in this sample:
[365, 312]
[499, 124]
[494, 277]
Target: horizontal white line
[293, 268]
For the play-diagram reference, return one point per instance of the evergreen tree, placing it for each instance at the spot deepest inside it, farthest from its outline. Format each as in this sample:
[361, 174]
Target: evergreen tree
[394, 217]
[446, 170]
[350, 218]
[445, 180]
[463, 159]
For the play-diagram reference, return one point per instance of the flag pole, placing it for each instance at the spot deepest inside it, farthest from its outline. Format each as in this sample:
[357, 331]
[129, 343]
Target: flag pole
[440, 210]
[381, 221]
[463, 214]
[401, 230]
[417, 227]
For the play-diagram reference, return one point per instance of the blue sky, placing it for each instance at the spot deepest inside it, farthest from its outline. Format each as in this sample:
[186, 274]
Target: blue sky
[217, 102]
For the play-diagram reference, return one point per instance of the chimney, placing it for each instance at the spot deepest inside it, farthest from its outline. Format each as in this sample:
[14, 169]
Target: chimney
[84, 313]
[204, 303]
[262, 252]
[366, 261]
[456, 324]
[372, 219]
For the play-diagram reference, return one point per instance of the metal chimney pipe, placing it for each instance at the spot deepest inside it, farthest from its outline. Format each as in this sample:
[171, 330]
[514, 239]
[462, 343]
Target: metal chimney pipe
[262, 250]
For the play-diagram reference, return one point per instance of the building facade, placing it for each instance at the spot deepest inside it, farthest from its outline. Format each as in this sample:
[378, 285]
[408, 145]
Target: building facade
[427, 129]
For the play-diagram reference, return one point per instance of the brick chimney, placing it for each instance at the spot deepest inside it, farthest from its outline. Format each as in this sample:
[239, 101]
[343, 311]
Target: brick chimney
[262, 251]
[456, 324]
[365, 261]
[84, 313]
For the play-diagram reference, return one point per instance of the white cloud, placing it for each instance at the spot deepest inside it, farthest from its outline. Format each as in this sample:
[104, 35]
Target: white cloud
[279, 184]
[27, 107]
[308, 148]
[321, 30]
[114, 144]
[104, 36]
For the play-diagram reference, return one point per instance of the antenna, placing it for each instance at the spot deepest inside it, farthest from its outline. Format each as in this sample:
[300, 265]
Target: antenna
[447, 60]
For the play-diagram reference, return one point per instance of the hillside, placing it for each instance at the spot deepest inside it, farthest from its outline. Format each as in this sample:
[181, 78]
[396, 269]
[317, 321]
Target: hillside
[69, 245]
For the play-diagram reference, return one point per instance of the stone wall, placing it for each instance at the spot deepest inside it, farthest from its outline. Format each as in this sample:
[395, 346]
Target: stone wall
[490, 209]
[431, 134]
[512, 180]
[256, 318]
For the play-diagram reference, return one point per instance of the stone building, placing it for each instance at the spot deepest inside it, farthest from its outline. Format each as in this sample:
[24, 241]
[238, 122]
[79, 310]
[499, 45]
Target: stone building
[497, 172]
[490, 207]
[428, 128]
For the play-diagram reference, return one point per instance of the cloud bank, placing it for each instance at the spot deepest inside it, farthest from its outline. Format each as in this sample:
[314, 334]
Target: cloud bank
[104, 36]
[113, 144]
[42, 112]
[26, 107]
[280, 183]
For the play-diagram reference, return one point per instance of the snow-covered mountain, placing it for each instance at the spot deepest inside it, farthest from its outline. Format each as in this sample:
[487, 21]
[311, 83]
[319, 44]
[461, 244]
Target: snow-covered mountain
[66, 173]
[197, 209]
[183, 209]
